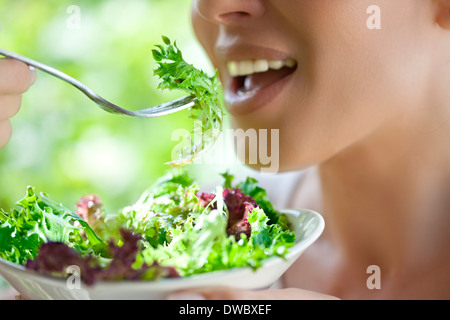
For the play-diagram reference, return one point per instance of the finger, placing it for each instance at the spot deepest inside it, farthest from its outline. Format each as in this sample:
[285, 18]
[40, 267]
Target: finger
[15, 76]
[8, 294]
[9, 105]
[33, 74]
[5, 132]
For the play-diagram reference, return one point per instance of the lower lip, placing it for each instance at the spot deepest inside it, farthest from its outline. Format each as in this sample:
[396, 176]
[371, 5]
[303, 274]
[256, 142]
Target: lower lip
[247, 103]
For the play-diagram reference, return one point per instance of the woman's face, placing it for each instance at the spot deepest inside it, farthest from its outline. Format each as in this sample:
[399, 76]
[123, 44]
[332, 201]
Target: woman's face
[315, 70]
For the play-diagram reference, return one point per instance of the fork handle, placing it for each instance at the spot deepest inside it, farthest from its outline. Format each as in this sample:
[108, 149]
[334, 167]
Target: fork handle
[103, 103]
[43, 67]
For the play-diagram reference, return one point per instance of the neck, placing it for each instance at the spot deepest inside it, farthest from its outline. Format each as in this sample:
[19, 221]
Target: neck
[386, 198]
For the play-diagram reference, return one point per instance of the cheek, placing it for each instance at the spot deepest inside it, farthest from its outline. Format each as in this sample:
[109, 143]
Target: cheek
[354, 82]
[357, 81]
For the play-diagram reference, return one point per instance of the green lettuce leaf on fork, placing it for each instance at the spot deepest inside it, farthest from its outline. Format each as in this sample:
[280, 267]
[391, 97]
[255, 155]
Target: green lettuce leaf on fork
[176, 74]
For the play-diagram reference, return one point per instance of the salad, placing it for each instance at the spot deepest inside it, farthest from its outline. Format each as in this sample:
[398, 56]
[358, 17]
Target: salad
[173, 230]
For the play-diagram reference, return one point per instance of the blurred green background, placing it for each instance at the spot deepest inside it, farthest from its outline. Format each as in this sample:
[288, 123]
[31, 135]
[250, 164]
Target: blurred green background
[62, 143]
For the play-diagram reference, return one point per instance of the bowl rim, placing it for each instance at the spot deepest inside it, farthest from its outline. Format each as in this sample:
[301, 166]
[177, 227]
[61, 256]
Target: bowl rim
[297, 248]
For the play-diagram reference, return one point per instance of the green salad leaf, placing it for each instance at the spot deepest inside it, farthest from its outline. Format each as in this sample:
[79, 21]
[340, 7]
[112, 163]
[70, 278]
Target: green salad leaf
[36, 220]
[172, 230]
[176, 74]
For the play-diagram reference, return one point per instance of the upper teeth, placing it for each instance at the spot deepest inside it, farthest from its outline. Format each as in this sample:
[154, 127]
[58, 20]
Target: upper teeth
[248, 67]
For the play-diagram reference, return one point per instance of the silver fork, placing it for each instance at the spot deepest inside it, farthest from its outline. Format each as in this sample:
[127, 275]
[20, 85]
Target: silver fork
[155, 111]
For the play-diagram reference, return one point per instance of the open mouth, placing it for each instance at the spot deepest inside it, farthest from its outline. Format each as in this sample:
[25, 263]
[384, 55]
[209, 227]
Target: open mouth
[250, 76]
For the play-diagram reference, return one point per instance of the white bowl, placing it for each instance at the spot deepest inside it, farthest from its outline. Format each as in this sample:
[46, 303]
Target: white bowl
[307, 225]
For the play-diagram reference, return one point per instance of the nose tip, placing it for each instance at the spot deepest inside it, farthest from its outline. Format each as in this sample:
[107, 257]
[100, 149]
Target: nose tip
[228, 11]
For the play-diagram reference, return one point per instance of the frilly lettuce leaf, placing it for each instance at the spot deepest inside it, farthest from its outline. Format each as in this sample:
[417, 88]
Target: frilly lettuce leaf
[177, 229]
[176, 74]
[35, 220]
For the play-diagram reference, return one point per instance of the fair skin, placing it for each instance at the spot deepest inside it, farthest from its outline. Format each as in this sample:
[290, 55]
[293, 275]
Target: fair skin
[369, 110]
[15, 79]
